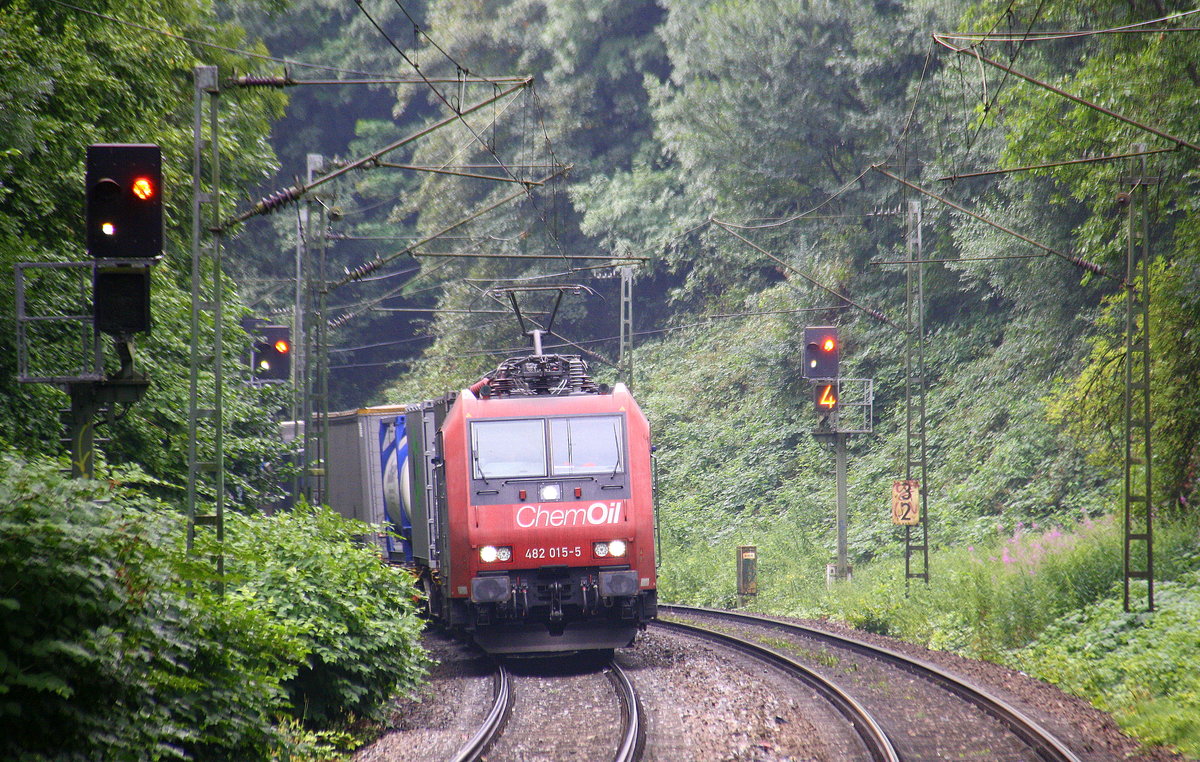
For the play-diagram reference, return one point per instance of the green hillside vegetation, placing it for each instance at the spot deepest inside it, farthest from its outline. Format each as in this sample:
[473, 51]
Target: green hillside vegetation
[763, 110]
[764, 115]
[114, 640]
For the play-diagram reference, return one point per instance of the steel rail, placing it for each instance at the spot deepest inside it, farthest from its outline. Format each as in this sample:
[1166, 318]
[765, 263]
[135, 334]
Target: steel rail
[878, 745]
[1042, 741]
[502, 700]
[634, 734]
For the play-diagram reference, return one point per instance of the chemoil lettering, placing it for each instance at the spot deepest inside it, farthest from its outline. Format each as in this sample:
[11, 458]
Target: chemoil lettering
[596, 514]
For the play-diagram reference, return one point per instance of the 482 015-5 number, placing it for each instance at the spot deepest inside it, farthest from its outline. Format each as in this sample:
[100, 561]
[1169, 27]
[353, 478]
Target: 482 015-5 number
[559, 551]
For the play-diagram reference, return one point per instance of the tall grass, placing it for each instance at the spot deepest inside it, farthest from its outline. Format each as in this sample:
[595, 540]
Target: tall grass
[1046, 600]
[985, 600]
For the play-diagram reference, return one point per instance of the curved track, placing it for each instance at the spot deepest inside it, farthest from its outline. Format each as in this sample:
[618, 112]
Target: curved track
[474, 748]
[878, 745]
[1043, 743]
[632, 733]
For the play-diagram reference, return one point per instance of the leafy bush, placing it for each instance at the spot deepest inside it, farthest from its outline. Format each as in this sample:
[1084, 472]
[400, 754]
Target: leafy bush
[1143, 667]
[114, 645]
[355, 615]
[985, 601]
[102, 655]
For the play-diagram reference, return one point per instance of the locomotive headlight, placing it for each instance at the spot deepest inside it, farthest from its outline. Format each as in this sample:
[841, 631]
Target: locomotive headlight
[550, 492]
[615, 549]
[490, 554]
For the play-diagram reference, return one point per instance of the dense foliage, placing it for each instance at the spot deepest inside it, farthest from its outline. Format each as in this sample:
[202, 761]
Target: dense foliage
[768, 116]
[104, 655]
[113, 644]
[354, 615]
[72, 77]
[1143, 667]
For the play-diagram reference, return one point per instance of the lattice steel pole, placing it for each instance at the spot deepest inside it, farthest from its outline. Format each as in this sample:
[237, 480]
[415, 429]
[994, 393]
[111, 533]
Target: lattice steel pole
[915, 464]
[1138, 560]
[316, 383]
[206, 89]
[626, 359]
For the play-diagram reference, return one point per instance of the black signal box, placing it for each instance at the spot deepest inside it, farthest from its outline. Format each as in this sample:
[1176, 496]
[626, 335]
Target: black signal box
[821, 352]
[123, 188]
[271, 354]
[121, 299]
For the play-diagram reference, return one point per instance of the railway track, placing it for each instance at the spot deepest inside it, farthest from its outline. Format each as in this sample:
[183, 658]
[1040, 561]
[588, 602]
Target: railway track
[505, 689]
[1037, 742]
[875, 741]
[493, 723]
[633, 733]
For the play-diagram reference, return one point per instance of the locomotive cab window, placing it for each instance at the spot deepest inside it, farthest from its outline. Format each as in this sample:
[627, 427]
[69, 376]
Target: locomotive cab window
[533, 448]
[586, 445]
[504, 449]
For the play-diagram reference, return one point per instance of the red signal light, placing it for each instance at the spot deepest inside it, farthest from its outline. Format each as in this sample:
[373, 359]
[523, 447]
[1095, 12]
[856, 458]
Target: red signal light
[829, 344]
[143, 188]
[282, 346]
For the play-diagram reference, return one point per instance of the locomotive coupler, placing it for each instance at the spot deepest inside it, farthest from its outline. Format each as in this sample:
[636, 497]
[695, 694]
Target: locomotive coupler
[556, 590]
[584, 586]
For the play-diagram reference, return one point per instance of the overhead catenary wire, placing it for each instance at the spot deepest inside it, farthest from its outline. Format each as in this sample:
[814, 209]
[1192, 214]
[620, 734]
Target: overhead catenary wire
[970, 51]
[507, 351]
[1077, 261]
[1056, 164]
[457, 109]
[1137, 27]
[379, 261]
[1012, 58]
[441, 96]
[272, 202]
[868, 310]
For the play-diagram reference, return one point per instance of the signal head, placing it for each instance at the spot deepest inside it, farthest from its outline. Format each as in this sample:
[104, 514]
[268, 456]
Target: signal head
[124, 201]
[821, 352]
[271, 354]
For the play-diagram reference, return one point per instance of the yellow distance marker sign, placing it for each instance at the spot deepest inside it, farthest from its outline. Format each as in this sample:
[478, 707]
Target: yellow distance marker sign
[906, 502]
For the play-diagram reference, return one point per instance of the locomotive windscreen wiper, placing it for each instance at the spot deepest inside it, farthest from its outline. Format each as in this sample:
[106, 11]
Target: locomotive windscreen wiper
[479, 467]
[617, 446]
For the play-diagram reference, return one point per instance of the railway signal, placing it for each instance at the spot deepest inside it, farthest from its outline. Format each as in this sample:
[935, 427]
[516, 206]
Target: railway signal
[124, 201]
[821, 352]
[123, 219]
[271, 357]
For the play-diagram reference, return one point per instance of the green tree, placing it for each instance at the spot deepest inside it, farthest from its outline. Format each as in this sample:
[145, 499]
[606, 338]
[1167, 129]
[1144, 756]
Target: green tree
[72, 77]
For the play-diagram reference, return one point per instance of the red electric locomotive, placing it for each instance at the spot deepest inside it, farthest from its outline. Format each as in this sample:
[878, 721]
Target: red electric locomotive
[530, 499]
